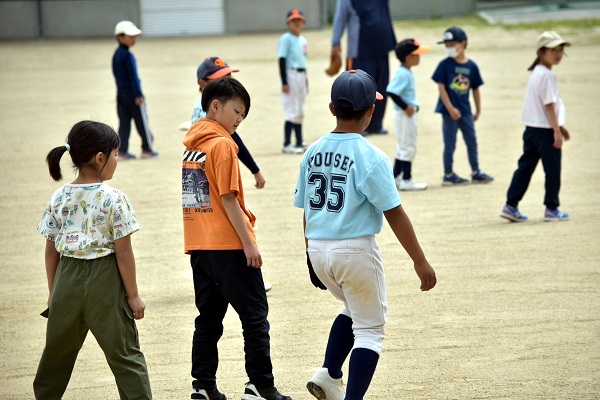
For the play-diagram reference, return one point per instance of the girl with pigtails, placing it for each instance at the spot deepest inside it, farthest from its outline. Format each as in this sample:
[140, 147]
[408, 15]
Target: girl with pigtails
[90, 267]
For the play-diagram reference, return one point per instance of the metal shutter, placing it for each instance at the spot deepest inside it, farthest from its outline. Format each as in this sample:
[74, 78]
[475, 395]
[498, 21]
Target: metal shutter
[182, 17]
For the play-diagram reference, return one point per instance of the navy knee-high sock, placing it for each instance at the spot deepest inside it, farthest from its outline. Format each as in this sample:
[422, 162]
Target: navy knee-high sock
[341, 340]
[287, 132]
[397, 167]
[360, 372]
[406, 170]
[298, 130]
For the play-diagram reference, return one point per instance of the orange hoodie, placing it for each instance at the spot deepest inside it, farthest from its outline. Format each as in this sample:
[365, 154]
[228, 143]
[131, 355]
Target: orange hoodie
[210, 169]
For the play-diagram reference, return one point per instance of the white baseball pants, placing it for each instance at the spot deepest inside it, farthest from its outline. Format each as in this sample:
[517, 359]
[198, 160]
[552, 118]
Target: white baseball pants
[406, 135]
[352, 270]
[293, 102]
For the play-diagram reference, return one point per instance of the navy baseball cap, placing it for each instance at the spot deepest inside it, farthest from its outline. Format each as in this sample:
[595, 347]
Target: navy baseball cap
[213, 68]
[295, 13]
[454, 34]
[356, 89]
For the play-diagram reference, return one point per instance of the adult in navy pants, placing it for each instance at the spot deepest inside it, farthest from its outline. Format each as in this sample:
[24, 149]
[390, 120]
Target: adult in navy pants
[370, 39]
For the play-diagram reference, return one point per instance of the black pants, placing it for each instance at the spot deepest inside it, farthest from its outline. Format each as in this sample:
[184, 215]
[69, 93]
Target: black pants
[128, 110]
[379, 69]
[538, 143]
[221, 277]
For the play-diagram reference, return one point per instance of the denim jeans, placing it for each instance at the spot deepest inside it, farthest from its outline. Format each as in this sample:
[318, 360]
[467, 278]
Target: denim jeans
[466, 124]
[221, 277]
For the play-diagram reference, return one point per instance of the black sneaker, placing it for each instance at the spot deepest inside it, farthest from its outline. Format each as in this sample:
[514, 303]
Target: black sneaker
[207, 394]
[453, 180]
[252, 393]
[481, 177]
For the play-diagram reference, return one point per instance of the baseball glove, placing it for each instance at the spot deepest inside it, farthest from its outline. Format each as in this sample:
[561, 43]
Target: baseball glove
[313, 277]
[335, 63]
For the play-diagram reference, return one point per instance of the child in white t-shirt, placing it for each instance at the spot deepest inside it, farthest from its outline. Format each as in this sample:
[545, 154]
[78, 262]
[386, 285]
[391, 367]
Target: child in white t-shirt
[544, 118]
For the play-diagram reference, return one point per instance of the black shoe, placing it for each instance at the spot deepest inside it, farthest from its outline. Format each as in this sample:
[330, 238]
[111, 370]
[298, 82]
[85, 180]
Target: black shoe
[379, 132]
[252, 393]
[207, 394]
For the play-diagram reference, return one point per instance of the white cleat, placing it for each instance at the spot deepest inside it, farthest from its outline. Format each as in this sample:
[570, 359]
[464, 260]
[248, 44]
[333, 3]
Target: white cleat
[324, 387]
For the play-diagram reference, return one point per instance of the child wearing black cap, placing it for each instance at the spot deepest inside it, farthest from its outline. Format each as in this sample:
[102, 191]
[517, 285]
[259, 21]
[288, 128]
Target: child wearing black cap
[402, 91]
[345, 187]
[456, 76]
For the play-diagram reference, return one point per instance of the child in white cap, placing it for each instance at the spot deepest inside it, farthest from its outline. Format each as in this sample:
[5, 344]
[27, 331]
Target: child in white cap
[131, 103]
[544, 119]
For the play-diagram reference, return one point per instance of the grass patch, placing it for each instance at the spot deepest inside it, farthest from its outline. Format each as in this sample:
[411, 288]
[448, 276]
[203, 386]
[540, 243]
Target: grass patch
[573, 26]
[473, 20]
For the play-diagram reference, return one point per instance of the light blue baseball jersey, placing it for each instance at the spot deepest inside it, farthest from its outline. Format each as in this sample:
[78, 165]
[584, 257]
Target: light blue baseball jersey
[198, 112]
[403, 85]
[294, 49]
[344, 185]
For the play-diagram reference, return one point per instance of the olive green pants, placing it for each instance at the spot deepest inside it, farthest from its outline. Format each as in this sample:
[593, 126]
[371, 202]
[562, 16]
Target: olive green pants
[88, 295]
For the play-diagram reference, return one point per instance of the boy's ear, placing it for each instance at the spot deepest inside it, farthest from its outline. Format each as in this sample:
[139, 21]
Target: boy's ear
[215, 104]
[331, 109]
[371, 111]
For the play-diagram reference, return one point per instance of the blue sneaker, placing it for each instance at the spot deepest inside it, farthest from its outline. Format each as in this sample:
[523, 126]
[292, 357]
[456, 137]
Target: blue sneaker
[481, 177]
[149, 154]
[126, 156]
[453, 179]
[512, 214]
[555, 215]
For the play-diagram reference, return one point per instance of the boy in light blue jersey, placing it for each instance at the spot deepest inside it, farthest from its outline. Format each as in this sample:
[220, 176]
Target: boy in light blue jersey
[406, 106]
[345, 187]
[292, 50]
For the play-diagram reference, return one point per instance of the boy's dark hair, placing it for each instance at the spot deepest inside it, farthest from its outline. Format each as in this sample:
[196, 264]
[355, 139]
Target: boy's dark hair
[225, 89]
[85, 140]
[350, 113]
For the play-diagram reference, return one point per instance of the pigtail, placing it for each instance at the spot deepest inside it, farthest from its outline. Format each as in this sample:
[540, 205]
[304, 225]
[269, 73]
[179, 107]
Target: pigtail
[53, 160]
[535, 62]
[84, 141]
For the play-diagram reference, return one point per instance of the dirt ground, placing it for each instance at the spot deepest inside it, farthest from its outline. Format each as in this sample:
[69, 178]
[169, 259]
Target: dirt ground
[515, 314]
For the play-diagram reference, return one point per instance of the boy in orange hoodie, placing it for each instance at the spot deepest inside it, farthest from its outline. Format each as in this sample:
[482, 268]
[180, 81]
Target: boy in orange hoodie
[219, 236]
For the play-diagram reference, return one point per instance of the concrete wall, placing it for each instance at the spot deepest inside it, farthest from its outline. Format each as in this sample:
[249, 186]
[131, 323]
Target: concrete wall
[60, 19]
[18, 19]
[269, 15]
[406, 9]
[88, 18]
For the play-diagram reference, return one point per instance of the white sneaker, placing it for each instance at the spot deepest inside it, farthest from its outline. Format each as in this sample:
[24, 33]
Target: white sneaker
[185, 126]
[268, 286]
[409, 184]
[324, 387]
[291, 149]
